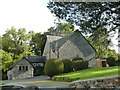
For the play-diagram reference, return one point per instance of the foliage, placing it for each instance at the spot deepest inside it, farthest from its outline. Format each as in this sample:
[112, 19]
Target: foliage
[25, 53]
[79, 65]
[102, 46]
[37, 43]
[61, 29]
[101, 41]
[18, 41]
[87, 74]
[92, 19]
[118, 55]
[6, 59]
[88, 15]
[111, 61]
[1, 83]
[77, 58]
[111, 53]
[53, 67]
[4, 75]
[117, 62]
[67, 65]
[0, 42]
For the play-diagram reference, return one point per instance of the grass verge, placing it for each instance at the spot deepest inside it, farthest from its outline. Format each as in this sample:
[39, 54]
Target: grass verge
[87, 74]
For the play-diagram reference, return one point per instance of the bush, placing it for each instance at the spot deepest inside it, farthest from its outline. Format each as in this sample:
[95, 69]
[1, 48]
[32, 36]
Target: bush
[53, 67]
[77, 58]
[79, 65]
[67, 65]
[111, 61]
[117, 62]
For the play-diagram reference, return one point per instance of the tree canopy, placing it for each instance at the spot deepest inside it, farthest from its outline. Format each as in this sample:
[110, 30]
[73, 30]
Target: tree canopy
[61, 29]
[88, 15]
[16, 42]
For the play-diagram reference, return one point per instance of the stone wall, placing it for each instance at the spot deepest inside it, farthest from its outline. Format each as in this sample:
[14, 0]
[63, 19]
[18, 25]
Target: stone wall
[105, 82]
[14, 73]
[26, 74]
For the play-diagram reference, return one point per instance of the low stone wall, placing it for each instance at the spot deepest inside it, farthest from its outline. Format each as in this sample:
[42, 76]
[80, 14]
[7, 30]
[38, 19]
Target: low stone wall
[105, 82]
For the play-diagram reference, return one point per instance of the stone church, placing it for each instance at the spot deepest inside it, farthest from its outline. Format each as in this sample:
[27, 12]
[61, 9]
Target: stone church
[68, 47]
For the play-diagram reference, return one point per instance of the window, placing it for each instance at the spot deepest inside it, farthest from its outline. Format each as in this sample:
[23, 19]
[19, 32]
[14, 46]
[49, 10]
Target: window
[23, 68]
[26, 68]
[20, 68]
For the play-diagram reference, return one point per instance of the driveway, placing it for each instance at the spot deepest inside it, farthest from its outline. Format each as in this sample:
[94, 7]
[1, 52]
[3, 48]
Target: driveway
[39, 81]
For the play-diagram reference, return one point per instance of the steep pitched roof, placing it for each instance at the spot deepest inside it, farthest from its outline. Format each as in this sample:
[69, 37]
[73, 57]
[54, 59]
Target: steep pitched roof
[56, 44]
[76, 38]
[49, 41]
[18, 62]
[31, 59]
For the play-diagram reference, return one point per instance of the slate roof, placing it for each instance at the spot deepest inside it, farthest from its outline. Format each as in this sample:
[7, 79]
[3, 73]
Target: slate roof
[18, 62]
[76, 38]
[58, 43]
[31, 59]
[36, 59]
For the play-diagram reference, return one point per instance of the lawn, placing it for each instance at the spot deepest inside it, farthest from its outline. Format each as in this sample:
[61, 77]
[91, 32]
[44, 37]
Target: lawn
[87, 74]
[1, 83]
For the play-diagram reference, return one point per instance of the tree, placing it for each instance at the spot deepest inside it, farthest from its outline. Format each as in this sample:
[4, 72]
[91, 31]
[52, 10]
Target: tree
[61, 29]
[0, 42]
[6, 60]
[16, 41]
[37, 43]
[101, 41]
[88, 16]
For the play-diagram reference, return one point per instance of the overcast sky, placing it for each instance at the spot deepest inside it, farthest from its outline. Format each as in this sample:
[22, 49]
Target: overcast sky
[28, 14]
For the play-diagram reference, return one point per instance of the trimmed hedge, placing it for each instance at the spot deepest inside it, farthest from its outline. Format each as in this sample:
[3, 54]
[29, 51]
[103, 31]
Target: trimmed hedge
[111, 61]
[67, 65]
[117, 62]
[79, 65]
[53, 67]
[77, 58]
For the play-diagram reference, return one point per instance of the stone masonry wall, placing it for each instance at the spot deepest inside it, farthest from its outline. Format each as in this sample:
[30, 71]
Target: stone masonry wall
[105, 82]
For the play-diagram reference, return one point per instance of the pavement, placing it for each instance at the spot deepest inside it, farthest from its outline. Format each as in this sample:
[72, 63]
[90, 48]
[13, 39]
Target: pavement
[39, 81]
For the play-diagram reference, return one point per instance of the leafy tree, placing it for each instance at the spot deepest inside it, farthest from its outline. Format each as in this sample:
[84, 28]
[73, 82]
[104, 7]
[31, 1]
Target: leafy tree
[111, 61]
[88, 16]
[16, 41]
[61, 29]
[111, 53]
[92, 19]
[37, 43]
[101, 41]
[25, 53]
[0, 42]
[6, 60]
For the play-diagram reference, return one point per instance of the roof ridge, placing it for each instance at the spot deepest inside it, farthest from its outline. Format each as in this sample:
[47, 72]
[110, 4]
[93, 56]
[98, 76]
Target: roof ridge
[67, 36]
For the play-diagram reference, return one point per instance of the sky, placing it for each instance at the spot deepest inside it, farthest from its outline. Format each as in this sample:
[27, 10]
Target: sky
[29, 14]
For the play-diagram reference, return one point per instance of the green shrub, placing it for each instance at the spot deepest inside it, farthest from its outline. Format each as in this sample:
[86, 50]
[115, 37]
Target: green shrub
[79, 65]
[111, 61]
[67, 65]
[77, 58]
[53, 67]
[117, 62]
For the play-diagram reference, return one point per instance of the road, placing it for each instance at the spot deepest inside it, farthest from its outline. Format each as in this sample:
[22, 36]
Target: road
[39, 81]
